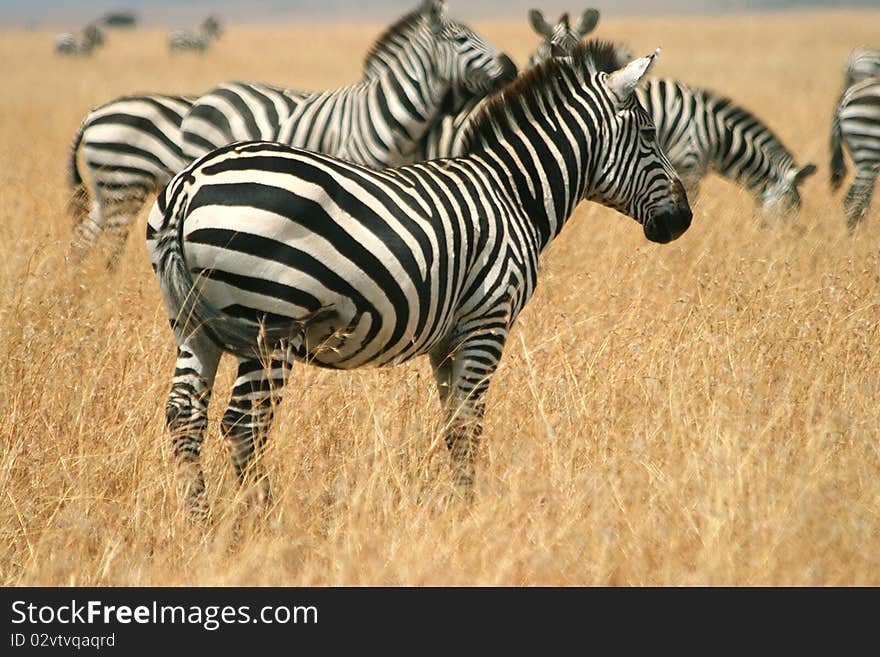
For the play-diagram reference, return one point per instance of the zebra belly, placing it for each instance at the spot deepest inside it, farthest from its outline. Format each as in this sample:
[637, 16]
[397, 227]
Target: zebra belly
[257, 264]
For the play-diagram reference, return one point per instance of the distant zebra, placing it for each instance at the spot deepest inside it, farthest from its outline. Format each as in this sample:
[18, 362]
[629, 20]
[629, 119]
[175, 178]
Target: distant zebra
[562, 36]
[856, 125]
[701, 132]
[131, 147]
[79, 43]
[192, 40]
[376, 121]
[279, 254]
[862, 63]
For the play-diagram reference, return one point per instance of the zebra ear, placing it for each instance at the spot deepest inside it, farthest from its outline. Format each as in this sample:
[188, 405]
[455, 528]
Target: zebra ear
[803, 173]
[622, 83]
[539, 25]
[587, 22]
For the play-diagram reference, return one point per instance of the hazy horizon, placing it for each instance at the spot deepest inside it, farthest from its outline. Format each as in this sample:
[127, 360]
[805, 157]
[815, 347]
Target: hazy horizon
[35, 14]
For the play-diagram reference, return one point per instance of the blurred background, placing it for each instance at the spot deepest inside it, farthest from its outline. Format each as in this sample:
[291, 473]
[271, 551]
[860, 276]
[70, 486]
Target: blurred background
[58, 13]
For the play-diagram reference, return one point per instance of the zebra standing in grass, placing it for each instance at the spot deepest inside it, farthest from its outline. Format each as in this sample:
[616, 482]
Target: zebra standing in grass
[375, 121]
[279, 254]
[856, 125]
[701, 132]
[131, 147]
[79, 43]
[862, 63]
[195, 40]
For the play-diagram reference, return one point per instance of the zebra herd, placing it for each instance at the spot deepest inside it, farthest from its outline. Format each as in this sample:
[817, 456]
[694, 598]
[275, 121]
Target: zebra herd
[86, 40]
[399, 216]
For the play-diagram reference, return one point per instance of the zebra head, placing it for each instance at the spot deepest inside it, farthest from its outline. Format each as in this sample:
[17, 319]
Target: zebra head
[780, 194]
[561, 38]
[461, 57]
[634, 175]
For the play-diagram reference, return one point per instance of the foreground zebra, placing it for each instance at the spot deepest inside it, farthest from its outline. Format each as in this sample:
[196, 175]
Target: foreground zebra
[79, 43]
[199, 40]
[279, 254]
[856, 125]
[376, 121]
[131, 147]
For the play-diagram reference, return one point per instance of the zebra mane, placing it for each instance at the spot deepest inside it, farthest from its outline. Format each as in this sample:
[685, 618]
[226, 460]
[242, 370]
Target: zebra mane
[529, 90]
[389, 37]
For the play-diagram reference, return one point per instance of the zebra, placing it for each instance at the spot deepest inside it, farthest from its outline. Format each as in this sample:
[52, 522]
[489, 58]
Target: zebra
[199, 40]
[279, 254]
[79, 43]
[131, 148]
[862, 63]
[375, 121]
[701, 131]
[561, 36]
[856, 125]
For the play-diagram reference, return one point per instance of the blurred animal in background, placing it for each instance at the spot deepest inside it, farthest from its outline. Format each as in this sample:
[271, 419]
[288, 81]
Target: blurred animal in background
[119, 19]
[198, 40]
[855, 126]
[79, 43]
[862, 63]
[562, 36]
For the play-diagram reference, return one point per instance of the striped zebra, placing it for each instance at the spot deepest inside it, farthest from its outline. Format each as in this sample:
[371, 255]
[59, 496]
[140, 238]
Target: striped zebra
[131, 147]
[375, 121]
[79, 43]
[562, 37]
[856, 125]
[199, 40]
[862, 63]
[702, 132]
[278, 254]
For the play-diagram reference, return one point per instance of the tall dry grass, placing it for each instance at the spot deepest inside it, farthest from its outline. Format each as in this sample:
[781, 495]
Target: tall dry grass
[698, 413]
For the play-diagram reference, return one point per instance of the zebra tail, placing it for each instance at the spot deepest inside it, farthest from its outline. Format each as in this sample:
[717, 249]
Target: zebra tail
[192, 311]
[838, 164]
[78, 205]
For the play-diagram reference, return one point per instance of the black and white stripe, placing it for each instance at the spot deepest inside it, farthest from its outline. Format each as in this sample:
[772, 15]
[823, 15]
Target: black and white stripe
[279, 254]
[79, 43]
[856, 126]
[376, 121]
[702, 132]
[130, 147]
[198, 40]
[862, 63]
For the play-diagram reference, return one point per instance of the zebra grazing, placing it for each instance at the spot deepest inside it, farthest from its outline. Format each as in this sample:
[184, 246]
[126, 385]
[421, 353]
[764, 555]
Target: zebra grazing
[376, 121]
[561, 36]
[195, 40]
[701, 132]
[278, 254]
[79, 43]
[862, 63]
[856, 125]
[131, 147]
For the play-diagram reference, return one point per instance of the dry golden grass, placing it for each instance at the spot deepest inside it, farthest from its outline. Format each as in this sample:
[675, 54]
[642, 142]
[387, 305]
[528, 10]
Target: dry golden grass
[698, 413]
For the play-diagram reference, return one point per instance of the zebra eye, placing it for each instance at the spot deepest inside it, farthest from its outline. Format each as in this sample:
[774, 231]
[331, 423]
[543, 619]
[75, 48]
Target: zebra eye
[649, 134]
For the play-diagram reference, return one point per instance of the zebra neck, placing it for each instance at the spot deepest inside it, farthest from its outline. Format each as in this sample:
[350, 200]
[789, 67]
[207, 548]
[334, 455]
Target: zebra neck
[401, 107]
[545, 170]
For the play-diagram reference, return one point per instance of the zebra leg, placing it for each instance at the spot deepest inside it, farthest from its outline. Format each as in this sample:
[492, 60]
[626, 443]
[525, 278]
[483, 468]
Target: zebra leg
[463, 374]
[87, 229]
[120, 217]
[858, 198]
[246, 423]
[186, 415]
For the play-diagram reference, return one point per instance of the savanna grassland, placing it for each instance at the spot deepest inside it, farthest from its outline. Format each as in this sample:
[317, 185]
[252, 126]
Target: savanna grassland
[704, 412]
